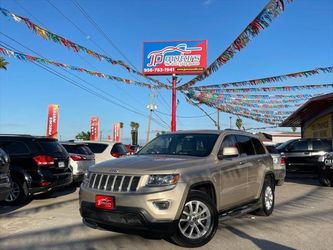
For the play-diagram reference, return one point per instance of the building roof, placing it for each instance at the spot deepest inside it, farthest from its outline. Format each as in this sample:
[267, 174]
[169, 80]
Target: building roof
[307, 111]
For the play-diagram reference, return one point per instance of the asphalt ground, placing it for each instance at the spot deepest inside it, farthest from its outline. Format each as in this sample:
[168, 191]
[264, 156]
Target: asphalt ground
[302, 219]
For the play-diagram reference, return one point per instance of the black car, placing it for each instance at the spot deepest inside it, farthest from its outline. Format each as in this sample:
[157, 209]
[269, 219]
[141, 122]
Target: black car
[325, 171]
[5, 182]
[37, 165]
[302, 155]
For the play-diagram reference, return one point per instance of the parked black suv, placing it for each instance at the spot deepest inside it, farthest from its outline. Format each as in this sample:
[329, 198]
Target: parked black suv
[302, 155]
[5, 183]
[37, 165]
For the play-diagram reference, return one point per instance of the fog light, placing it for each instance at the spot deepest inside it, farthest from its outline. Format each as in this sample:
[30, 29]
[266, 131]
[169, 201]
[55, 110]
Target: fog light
[161, 205]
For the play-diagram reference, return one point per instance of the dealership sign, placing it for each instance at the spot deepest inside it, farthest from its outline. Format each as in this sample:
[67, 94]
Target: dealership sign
[52, 121]
[176, 57]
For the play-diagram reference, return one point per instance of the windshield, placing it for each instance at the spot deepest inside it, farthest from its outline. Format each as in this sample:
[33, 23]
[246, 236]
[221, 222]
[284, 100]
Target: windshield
[181, 144]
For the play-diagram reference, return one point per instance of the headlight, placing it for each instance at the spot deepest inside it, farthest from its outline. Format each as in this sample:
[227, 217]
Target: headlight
[86, 179]
[163, 180]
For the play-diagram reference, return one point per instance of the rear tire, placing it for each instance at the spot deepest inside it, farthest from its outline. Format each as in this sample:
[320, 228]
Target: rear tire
[324, 181]
[267, 198]
[198, 222]
[18, 194]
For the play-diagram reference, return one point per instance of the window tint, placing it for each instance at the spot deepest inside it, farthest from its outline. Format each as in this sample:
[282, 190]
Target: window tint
[119, 148]
[49, 146]
[258, 147]
[97, 147]
[244, 145]
[14, 147]
[272, 149]
[78, 149]
[299, 146]
[322, 145]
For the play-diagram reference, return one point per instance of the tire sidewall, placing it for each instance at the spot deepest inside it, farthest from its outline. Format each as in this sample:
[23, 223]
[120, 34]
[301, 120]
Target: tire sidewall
[22, 195]
[183, 241]
[268, 183]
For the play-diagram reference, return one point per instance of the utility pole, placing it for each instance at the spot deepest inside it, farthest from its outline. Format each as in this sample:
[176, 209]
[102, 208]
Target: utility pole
[100, 135]
[151, 106]
[174, 104]
[218, 119]
[230, 117]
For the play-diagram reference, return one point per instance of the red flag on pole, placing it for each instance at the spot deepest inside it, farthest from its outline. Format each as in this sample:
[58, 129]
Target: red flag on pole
[94, 128]
[52, 121]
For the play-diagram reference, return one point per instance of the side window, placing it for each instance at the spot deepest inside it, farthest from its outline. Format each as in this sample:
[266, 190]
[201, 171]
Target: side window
[228, 141]
[119, 149]
[321, 145]
[97, 147]
[244, 145]
[15, 147]
[299, 146]
[258, 147]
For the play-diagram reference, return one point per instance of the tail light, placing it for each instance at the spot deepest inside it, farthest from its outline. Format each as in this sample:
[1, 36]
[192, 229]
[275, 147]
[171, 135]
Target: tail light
[117, 155]
[43, 160]
[282, 160]
[78, 157]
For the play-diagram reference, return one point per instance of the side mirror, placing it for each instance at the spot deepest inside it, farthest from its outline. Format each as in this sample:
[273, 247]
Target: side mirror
[228, 152]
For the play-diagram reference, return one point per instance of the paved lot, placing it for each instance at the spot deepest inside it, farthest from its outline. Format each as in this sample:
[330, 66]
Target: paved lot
[303, 219]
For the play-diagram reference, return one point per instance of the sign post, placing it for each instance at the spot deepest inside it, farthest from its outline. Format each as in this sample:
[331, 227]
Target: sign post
[174, 104]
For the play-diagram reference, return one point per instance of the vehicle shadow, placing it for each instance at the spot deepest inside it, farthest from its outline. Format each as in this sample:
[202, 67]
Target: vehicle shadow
[305, 179]
[56, 193]
[260, 243]
[5, 208]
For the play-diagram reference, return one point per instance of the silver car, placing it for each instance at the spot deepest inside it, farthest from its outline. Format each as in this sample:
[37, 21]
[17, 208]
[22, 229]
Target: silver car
[279, 164]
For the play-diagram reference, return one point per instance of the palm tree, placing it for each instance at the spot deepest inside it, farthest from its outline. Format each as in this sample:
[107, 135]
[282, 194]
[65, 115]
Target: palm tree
[134, 132]
[239, 123]
[3, 63]
[83, 135]
[121, 125]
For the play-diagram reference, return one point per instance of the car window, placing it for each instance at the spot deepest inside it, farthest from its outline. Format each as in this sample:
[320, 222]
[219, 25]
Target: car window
[51, 147]
[272, 149]
[298, 146]
[228, 141]
[97, 147]
[78, 149]
[321, 145]
[181, 144]
[14, 147]
[244, 145]
[119, 148]
[258, 147]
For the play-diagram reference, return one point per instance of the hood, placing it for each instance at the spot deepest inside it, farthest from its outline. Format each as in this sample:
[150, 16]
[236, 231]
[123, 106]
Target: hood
[147, 164]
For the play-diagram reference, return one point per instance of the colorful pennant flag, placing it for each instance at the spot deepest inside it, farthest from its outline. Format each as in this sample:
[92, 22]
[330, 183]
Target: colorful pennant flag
[47, 35]
[25, 57]
[268, 79]
[272, 10]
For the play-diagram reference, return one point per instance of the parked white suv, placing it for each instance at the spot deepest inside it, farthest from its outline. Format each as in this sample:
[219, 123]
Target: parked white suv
[106, 150]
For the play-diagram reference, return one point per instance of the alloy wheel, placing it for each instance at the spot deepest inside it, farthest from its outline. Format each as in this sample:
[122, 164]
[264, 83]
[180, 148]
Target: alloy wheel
[195, 220]
[14, 193]
[268, 197]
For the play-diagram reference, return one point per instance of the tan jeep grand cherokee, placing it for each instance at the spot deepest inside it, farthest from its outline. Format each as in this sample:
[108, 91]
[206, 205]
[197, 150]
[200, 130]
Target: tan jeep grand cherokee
[180, 185]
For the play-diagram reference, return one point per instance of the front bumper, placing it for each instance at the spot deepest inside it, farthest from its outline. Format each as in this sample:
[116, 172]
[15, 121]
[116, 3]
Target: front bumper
[125, 220]
[144, 201]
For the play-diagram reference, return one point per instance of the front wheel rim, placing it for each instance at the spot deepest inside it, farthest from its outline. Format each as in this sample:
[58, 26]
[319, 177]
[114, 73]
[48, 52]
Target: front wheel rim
[14, 193]
[195, 220]
[269, 197]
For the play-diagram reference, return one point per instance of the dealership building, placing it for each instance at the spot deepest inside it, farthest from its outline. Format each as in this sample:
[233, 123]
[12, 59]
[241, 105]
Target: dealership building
[315, 117]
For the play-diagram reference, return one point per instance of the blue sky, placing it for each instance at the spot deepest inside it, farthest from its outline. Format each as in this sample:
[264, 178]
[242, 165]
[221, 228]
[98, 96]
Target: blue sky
[301, 38]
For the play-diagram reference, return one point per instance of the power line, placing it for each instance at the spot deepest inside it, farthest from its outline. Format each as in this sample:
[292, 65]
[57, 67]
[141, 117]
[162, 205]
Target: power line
[187, 117]
[75, 83]
[106, 36]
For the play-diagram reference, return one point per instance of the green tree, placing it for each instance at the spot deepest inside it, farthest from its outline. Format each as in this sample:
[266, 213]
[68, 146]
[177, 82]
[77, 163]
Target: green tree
[3, 63]
[134, 132]
[83, 136]
[239, 123]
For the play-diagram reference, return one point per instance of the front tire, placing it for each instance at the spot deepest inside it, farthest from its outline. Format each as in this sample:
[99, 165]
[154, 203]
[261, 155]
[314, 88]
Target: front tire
[198, 222]
[324, 181]
[267, 198]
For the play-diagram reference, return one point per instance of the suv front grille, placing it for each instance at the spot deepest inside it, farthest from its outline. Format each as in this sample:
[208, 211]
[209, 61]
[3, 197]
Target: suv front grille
[114, 183]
